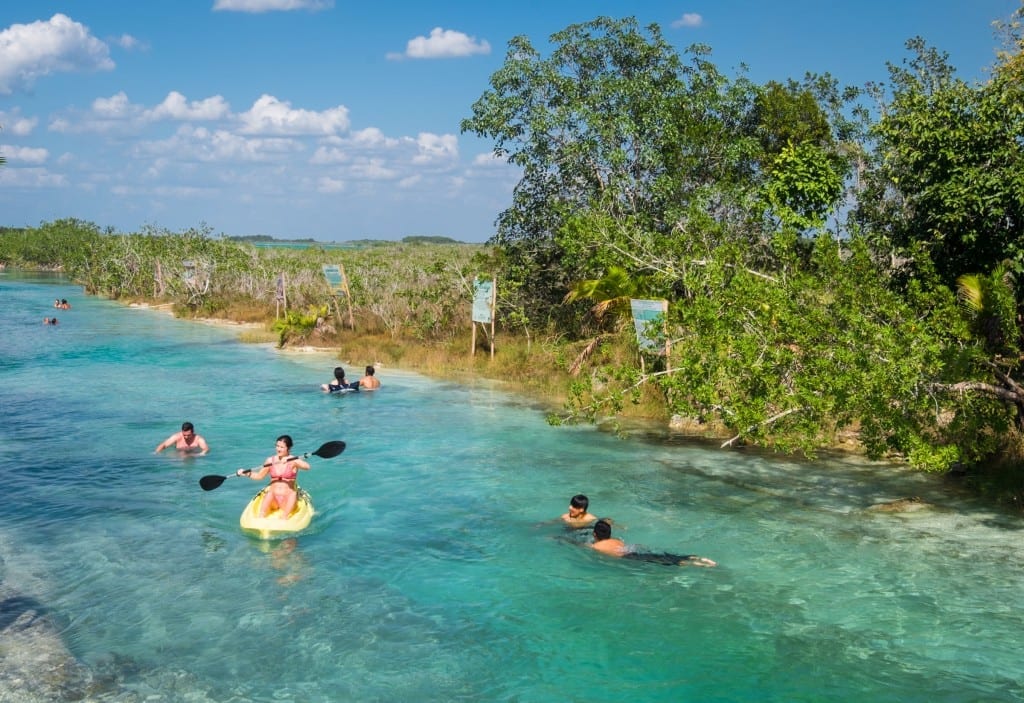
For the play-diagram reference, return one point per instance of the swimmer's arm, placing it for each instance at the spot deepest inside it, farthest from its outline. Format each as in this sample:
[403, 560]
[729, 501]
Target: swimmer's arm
[167, 442]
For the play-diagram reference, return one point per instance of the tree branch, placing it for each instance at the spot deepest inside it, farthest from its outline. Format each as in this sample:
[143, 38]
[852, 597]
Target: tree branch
[964, 386]
[768, 421]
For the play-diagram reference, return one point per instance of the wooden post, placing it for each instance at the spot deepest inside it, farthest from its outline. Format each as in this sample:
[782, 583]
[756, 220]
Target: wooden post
[494, 298]
[281, 296]
[348, 297]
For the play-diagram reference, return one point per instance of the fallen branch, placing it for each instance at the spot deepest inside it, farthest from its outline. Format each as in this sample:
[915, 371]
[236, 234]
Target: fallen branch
[768, 421]
[964, 386]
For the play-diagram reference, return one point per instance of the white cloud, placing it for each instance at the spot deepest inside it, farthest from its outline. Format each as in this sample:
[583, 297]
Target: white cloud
[176, 107]
[13, 123]
[329, 155]
[689, 19]
[443, 44]
[118, 112]
[338, 150]
[17, 155]
[31, 178]
[373, 137]
[373, 170]
[436, 147]
[205, 145]
[330, 185]
[129, 43]
[269, 115]
[257, 6]
[115, 107]
[490, 160]
[60, 45]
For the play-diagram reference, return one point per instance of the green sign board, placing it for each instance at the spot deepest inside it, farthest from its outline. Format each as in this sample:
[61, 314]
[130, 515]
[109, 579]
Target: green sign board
[335, 279]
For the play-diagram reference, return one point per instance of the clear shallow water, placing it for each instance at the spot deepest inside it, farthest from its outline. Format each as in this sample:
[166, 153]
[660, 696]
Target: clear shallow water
[432, 571]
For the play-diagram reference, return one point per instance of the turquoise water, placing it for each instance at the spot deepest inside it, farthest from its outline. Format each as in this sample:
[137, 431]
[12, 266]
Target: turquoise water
[432, 571]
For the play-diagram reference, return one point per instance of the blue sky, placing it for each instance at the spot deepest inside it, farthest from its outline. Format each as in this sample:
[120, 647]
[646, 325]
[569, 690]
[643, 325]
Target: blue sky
[338, 120]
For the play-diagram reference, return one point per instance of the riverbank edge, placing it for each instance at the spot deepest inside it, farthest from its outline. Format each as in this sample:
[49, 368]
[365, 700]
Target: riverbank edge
[550, 399]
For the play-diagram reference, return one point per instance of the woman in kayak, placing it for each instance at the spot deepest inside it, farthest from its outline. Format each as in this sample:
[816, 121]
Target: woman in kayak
[283, 469]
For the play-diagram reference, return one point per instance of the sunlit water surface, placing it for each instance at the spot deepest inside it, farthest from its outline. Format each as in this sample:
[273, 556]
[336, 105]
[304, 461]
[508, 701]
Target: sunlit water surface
[433, 570]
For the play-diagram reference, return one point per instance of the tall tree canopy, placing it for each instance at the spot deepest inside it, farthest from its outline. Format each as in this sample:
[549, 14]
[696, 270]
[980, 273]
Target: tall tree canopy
[629, 152]
[613, 123]
[947, 180]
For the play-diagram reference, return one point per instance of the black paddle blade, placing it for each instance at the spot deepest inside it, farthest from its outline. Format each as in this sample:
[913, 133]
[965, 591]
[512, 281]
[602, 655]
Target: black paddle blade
[210, 482]
[330, 449]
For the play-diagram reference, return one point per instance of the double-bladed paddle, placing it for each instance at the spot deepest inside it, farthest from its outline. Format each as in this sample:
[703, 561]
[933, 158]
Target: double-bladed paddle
[326, 451]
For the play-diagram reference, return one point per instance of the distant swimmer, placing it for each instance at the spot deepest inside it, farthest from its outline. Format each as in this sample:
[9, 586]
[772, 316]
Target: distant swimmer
[615, 547]
[186, 441]
[338, 384]
[369, 382]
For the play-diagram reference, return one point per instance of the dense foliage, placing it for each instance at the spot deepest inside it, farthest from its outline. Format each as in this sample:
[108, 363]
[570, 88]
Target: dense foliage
[648, 176]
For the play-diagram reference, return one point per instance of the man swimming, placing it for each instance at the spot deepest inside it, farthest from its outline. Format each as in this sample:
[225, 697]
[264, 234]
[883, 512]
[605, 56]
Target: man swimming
[615, 547]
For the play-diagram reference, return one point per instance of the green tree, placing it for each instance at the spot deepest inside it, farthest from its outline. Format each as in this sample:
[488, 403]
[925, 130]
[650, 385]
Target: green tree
[610, 123]
[948, 168]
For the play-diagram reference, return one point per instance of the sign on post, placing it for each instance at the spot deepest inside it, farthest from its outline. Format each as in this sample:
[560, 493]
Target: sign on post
[650, 319]
[335, 275]
[483, 300]
[484, 297]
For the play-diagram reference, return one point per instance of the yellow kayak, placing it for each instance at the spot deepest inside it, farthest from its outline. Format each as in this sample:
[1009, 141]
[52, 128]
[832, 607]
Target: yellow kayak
[273, 525]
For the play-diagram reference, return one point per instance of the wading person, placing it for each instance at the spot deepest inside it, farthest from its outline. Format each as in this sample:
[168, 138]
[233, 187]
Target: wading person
[369, 382]
[186, 441]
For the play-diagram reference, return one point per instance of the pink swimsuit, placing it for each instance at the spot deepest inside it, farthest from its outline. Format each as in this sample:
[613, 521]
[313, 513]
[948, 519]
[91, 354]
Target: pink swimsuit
[283, 471]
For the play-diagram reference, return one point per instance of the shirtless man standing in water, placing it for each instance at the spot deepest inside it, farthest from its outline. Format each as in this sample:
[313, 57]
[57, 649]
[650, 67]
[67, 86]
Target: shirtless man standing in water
[186, 441]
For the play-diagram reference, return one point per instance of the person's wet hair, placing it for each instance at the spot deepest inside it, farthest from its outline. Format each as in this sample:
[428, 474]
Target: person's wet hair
[369, 370]
[339, 373]
[579, 501]
[602, 530]
[187, 427]
[286, 439]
